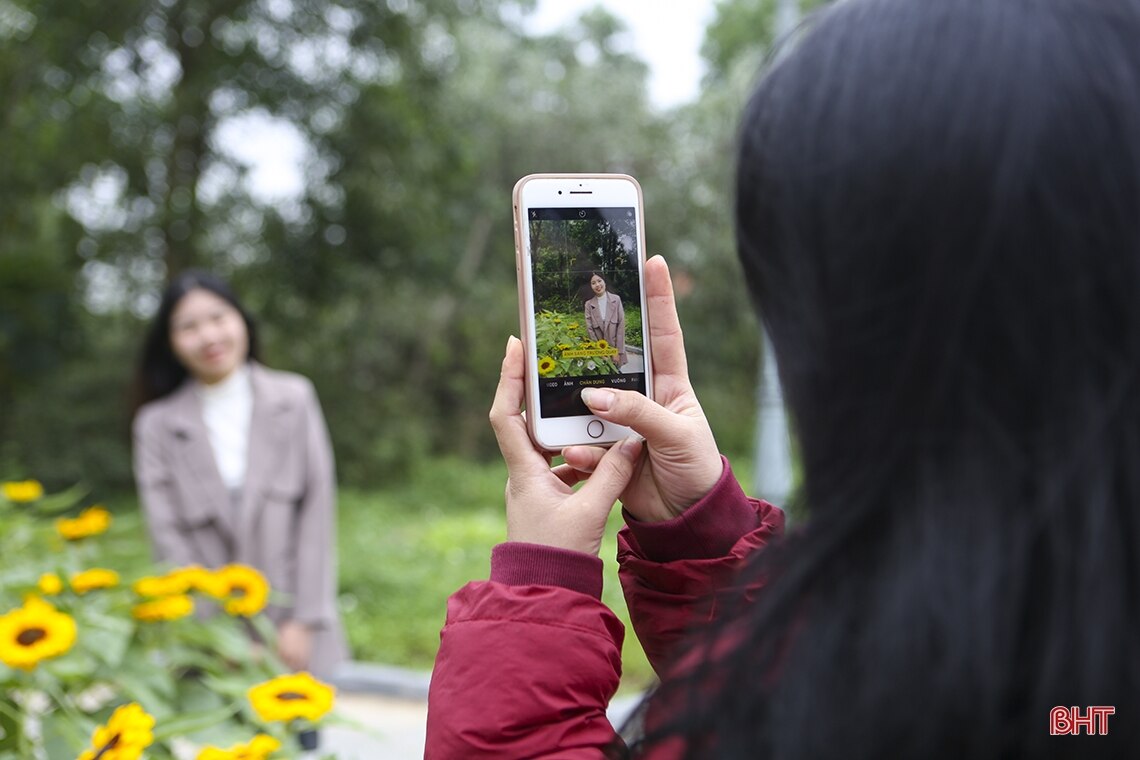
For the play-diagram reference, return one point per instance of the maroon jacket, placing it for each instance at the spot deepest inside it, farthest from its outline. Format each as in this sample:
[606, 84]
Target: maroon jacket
[529, 660]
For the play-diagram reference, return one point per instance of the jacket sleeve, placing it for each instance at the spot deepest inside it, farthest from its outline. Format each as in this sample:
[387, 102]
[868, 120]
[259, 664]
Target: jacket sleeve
[671, 571]
[315, 602]
[527, 662]
[157, 495]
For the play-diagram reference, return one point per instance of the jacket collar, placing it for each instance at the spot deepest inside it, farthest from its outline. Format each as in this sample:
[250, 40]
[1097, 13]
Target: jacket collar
[266, 440]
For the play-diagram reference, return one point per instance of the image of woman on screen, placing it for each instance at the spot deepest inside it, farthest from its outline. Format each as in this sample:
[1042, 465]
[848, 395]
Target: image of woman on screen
[605, 317]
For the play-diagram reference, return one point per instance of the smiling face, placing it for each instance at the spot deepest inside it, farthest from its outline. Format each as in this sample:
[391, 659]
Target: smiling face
[208, 336]
[598, 285]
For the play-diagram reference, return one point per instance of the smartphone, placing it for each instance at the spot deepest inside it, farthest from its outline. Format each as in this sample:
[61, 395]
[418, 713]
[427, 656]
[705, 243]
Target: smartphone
[580, 256]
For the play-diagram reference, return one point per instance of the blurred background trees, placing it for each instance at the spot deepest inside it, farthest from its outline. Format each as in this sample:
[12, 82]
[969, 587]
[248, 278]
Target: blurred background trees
[386, 276]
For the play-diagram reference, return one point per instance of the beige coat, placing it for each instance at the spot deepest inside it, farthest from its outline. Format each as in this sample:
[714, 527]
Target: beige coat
[285, 522]
[612, 328]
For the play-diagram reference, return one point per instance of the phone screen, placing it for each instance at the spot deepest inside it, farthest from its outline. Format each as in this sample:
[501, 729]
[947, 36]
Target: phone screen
[587, 303]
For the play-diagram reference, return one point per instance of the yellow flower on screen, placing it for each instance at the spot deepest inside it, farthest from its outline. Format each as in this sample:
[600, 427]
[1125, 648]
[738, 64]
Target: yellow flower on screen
[247, 591]
[297, 695]
[34, 632]
[168, 608]
[258, 748]
[22, 491]
[546, 365]
[127, 733]
[602, 343]
[94, 579]
[91, 522]
[572, 326]
[49, 584]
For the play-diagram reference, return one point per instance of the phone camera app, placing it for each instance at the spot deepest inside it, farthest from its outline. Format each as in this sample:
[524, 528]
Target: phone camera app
[587, 300]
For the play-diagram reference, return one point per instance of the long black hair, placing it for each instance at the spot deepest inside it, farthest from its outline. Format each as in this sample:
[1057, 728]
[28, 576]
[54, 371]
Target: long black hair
[938, 214]
[159, 372]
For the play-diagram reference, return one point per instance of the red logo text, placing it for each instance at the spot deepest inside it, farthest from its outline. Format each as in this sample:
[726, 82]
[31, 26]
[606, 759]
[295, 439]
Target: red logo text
[1065, 721]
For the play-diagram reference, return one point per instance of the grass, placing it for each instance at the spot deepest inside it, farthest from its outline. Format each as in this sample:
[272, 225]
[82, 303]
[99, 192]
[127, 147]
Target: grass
[404, 550]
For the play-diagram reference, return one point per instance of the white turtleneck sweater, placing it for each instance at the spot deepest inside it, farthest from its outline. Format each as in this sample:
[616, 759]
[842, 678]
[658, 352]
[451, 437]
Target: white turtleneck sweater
[227, 408]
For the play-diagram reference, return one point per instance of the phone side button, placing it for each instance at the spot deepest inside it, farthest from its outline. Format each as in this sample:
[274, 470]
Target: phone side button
[595, 429]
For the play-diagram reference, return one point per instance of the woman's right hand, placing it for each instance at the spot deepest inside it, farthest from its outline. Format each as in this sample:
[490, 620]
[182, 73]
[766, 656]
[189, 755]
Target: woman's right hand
[682, 463]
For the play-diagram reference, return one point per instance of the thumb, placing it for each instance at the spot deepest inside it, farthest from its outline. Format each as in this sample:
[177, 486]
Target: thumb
[612, 474]
[634, 410]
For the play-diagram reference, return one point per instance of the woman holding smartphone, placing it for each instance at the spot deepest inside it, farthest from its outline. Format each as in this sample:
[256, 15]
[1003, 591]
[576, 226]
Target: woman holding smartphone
[233, 464]
[605, 317]
[938, 213]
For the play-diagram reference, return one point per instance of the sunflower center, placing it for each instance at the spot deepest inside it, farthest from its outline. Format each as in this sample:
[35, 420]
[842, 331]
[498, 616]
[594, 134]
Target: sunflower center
[238, 590]
[30, 636]
[291, 696]
[114, 742]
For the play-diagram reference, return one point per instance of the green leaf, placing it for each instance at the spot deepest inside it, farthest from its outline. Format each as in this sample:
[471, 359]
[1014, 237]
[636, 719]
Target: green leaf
[10, 725]
[61, 736]
[154, 690]
[193, 722]
[107, 637]
[62, 501]
[75, 666]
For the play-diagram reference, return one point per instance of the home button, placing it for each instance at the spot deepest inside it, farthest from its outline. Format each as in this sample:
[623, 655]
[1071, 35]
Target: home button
[595, 429]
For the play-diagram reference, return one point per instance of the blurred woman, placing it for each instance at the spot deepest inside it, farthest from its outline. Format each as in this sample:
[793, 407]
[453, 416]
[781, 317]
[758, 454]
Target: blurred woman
[233, 464]
[605, 317]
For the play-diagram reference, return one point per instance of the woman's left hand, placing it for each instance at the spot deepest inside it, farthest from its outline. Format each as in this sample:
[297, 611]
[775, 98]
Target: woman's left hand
[295, 644]
[542, 505]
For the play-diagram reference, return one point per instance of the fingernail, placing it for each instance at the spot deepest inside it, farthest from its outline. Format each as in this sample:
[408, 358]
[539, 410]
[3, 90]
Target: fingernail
[631, 447]
[598, 398]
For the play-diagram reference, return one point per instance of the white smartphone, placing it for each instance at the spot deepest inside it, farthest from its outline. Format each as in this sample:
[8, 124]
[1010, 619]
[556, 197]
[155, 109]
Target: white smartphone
[580, 256]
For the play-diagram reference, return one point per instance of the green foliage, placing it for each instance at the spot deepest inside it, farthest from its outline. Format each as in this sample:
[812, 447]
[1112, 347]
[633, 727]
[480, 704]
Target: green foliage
[406, 548]
[565, 350]
[190, 674]
[388, 279]
[633, 335]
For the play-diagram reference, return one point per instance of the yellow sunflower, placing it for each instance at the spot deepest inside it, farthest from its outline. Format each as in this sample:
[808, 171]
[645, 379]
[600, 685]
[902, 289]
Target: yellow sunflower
[247, 591]
[34, 632]
[127, 733]
[198, 578]
[91, 522]
[258, 748]
[572, 326]
[22, 490]
[168, 608]
[49, 584]
[602, 343]
[95, 578]
[162, 585]
[546, 365]
[297, 695]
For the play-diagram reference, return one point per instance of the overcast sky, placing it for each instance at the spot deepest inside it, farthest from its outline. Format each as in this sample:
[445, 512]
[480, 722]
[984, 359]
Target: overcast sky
[666, 34]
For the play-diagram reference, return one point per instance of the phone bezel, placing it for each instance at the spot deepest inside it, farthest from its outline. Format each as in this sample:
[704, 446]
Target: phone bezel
[541, 191]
